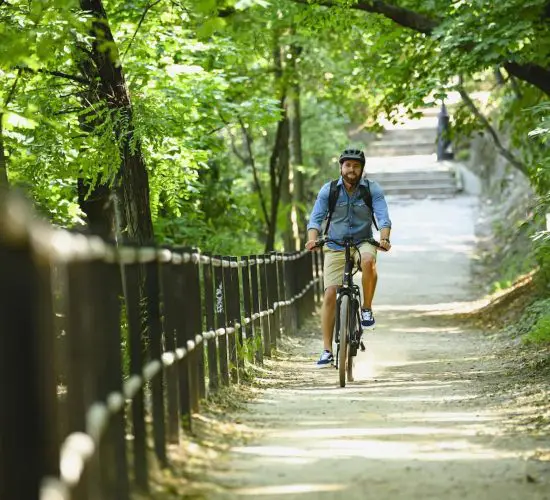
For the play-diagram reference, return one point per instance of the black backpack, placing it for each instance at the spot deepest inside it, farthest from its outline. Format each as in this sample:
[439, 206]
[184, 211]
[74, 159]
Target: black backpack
[364, 192]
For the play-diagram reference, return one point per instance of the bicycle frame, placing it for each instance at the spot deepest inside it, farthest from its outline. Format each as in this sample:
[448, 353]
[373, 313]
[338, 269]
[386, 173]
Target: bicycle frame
[352, 291]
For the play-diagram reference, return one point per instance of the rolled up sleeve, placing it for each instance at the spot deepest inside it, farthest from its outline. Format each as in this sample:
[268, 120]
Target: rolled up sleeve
[320, 209]
[379, 206]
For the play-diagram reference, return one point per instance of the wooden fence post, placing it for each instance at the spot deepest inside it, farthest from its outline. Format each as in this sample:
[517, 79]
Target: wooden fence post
[221, 320]
[213, 377]
[137, 348]
[264, 305]
[256, 308]
[238, 318]
[231, 297]
[81, 349]
[106, 292]
[248, 326]
[28, 444]
[192, 313]
[176, 378]
[291, 280]
[271, 277]
[154, 328]
[281, 308]
[196, 322]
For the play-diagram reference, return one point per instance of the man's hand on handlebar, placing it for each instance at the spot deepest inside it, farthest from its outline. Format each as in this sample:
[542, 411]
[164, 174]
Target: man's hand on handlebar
[385, 245]
[312, 245]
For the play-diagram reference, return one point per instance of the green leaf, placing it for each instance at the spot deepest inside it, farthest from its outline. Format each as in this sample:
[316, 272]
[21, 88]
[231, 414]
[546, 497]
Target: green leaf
[211, 26]
[15, 120]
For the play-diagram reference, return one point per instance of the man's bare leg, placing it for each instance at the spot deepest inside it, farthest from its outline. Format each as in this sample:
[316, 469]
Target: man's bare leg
[369, 279]
[327, 316]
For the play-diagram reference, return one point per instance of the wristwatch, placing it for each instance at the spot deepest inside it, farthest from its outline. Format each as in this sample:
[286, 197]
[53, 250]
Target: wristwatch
[385, 239]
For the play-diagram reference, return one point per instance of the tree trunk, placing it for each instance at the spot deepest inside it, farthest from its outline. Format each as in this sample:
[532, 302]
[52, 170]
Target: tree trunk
[98, 203]
[278, 168]
[286, 199]
[96, 199]
[4, 181]
[133, 179]
[280, 157]
[295, 112]
[3, 164]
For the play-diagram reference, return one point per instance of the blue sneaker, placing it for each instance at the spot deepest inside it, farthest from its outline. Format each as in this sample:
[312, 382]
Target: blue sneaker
[326, 360]
[367, 319]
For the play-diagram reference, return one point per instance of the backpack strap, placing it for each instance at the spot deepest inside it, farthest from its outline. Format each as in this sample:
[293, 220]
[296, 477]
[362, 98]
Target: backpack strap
[367, 197]
[332, 198]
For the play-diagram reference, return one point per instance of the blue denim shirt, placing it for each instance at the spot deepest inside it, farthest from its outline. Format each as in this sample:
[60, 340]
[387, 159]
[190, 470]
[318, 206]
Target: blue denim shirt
[351, 217]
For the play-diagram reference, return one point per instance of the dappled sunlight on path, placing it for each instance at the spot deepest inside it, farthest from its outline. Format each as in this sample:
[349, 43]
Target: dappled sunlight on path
[416, 422]
[422, 419]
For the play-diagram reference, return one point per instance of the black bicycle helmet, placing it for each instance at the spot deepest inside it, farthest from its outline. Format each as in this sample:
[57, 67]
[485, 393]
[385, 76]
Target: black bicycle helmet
[352, 154]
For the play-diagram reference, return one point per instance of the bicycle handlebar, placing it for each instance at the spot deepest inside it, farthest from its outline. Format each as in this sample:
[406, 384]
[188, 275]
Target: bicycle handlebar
[319, 242]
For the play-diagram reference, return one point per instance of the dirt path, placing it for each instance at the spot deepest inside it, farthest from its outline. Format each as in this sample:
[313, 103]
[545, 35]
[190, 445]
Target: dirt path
[421, 421]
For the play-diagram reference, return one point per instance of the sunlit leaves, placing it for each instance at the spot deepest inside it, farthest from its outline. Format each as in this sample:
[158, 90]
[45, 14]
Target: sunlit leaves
[211, 26]
[198, 73]
[13, 120]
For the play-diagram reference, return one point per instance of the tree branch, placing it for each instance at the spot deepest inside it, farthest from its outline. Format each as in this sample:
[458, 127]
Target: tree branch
[235, 150]
[485, 122]
[11, 93]
[142, 18]
[257, 183]
[403, 17]
[531, 73]
[58, 74]
[232, 139]
[68, 111]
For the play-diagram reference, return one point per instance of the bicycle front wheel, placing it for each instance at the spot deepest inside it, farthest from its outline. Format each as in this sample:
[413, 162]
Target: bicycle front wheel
[343, 352]
[352, 318]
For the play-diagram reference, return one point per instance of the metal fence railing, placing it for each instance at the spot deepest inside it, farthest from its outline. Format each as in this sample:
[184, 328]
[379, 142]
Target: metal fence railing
[100, 342]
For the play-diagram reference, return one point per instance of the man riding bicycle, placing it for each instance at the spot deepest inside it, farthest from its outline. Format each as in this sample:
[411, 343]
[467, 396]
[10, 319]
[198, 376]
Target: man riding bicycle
[351, 217]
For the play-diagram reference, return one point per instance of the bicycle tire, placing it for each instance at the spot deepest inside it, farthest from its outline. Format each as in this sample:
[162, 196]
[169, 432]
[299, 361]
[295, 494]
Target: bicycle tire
[343, 350]
[351, 329]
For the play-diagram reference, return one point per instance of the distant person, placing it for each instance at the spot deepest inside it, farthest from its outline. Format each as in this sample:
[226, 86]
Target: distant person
[353, 217]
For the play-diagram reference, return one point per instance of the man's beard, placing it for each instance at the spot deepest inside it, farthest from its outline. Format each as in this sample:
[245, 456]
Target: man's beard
[352, 178]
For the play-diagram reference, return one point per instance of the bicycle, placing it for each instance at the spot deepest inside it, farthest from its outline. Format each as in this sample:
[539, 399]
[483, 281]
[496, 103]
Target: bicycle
[348, 307]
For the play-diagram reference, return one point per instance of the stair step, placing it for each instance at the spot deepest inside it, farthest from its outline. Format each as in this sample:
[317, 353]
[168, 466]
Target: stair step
[411, 174]
[421, 190]
[416, 183]
[385, 181]
[409, 150]
[401, 143]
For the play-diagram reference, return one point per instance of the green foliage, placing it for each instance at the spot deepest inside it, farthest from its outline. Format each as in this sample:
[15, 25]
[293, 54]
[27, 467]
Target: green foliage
[541, 331]
[540, 142]
[536, 322]
[541, 243]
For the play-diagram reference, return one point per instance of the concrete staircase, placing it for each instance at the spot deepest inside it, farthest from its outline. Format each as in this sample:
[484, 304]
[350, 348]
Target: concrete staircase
[403, 160]
[418, 183]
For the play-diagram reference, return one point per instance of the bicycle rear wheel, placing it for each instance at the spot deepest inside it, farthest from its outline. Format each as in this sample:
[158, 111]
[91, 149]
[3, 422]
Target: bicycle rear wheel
[343, 352]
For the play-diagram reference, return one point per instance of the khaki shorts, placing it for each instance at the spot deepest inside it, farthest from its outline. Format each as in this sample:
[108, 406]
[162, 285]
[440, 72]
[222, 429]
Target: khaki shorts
[333, 269]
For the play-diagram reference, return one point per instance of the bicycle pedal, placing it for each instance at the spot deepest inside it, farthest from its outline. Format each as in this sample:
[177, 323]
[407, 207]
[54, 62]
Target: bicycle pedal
[363, 348]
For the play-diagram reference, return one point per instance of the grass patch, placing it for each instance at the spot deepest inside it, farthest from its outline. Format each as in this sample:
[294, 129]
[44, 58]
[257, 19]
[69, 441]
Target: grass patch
[540, 332]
